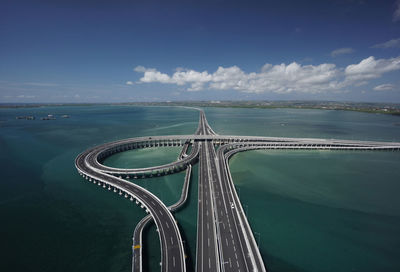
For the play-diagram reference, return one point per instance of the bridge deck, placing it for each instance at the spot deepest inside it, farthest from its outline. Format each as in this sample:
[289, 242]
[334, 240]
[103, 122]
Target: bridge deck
[224, 237]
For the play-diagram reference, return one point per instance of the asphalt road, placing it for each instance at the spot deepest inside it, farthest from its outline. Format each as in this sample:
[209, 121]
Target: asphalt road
[173, 258]
[225, 241]
[222, 243]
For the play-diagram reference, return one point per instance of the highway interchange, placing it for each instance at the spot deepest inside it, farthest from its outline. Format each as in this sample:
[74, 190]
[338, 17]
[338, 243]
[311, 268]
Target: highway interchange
[225, 241]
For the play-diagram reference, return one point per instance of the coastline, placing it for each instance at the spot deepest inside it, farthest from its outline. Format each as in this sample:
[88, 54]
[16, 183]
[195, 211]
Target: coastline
[366, 107]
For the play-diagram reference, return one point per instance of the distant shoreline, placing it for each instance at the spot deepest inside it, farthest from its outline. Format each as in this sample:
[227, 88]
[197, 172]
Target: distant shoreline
[381, 108]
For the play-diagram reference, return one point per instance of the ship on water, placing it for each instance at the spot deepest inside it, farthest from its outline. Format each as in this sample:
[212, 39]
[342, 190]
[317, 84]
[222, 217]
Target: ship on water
[28, 117]
[48, 117]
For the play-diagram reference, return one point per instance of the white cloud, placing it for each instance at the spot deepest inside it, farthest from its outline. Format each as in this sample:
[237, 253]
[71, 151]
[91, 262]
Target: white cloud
[183, 77]
[342, 51]
[31, 84]
[25, 96]
[41, 84]
[396, 14]
[371, 68]
[180, 77]
[384, 87]
[281, 78]
[389, 44]
[140, 69]
[129, 83]
[152, 75]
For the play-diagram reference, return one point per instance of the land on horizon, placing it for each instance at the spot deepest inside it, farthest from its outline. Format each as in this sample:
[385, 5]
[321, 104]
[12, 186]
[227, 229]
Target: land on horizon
[313, 191]
[191, 136]
[90, 51]
[368, 107]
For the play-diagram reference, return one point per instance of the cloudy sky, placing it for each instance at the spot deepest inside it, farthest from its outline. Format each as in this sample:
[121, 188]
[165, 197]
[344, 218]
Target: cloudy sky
[119, 51]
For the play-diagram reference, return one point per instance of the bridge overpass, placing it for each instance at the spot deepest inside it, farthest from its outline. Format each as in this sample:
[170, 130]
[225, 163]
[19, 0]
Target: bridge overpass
[99, 153]
[172, 257]
[225, 241]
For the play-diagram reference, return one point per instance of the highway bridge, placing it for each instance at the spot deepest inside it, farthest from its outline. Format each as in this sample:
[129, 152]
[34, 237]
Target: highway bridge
[225, 241]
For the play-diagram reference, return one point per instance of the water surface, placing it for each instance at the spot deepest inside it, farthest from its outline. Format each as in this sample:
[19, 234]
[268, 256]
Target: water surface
[311, 211]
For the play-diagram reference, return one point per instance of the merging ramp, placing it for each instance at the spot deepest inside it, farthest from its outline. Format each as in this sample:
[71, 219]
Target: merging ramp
[173, 256]
[225, 241]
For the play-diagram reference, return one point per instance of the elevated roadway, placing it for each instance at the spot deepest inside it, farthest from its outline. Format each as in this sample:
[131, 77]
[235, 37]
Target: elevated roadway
[137, 256]
[223, 244]
[99, 153]
[225, 241]
[172, 251]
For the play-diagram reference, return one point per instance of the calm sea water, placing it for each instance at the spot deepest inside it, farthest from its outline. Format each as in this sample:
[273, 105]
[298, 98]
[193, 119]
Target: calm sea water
[311, 211]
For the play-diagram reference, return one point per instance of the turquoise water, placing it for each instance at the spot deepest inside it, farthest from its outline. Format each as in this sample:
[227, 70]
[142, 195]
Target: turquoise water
[304, 123]
[144, 157]
[312, 211]
[323, 211]
[319, 210]
[51, 219]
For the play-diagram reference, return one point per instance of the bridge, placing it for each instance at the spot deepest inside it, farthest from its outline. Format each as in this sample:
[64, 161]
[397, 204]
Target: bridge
[225, 241]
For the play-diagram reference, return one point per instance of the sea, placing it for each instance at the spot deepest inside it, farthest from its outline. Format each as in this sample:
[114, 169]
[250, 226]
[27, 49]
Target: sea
[309, 210]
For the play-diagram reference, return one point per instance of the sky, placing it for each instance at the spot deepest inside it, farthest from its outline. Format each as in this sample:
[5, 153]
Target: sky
[58, 51]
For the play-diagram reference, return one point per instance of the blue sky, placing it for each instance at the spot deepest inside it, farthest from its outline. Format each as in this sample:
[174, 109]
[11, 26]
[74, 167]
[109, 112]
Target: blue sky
[120, 51]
